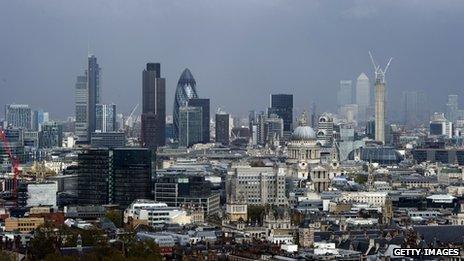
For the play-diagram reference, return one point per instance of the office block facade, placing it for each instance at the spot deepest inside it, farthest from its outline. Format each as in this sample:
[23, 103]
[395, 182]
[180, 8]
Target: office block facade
[153, 107]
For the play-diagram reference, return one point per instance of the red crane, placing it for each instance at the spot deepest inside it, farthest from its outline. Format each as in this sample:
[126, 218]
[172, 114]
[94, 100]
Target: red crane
[14, 160]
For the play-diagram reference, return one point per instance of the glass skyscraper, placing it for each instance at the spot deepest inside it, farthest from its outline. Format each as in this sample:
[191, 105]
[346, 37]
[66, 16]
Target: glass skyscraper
[363, 96]
[81, 104]
[282, 106]
[190, 126]
[204, 104]
[93, 88]
[186, 90]
[154, 107]
[223, 128]
[106, 117]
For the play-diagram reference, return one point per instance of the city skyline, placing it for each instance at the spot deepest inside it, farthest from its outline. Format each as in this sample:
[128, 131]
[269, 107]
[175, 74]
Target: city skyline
[216, 63]
[232, 130]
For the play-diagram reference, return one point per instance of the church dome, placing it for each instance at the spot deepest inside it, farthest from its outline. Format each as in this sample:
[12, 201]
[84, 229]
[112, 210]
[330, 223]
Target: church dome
[304, 133]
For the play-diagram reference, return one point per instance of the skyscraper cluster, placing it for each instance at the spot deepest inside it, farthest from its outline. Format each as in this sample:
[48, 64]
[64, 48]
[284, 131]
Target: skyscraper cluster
[353, 101]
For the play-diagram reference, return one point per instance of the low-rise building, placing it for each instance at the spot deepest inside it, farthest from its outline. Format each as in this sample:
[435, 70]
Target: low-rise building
[23, 225]
[155, 214]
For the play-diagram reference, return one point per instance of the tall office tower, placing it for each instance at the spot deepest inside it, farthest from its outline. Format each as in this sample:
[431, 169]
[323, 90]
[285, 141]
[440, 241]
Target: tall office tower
[93, 88]
[204, 104]
[115, 176]
[362, 96]
[260, 128]
[106, 118]
[222, 128]
[19, 116]
[153, 132]
[345, 93]
[452, 107]
[81, 102]
[282, 106]
[186, 90]
[413, 110]
[190, 125]
[39, 117]
[409, 108]
[380, 112]
[51, 135]
[253, 128]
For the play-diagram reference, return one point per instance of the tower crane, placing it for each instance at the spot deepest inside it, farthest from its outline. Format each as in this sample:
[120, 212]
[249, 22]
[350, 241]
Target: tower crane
[14, 161]
[131, 114]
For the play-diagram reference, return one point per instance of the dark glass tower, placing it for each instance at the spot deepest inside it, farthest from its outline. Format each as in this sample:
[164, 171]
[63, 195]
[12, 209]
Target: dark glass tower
[282, 106]
[116, 176]
[204, 104]
[154, 107]
[186, 90]
[93, 85]
[222, 128]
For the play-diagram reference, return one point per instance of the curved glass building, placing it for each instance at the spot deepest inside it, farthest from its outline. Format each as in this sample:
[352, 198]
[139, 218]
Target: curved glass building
[186, 89]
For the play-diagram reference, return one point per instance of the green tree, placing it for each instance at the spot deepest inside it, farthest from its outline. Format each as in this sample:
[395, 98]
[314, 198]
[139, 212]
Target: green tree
[116, 217]
[255, 213]
[360, 179]
[41, 246]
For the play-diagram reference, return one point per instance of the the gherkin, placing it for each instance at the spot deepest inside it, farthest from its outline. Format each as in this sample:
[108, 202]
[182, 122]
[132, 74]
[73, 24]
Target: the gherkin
[186, 89]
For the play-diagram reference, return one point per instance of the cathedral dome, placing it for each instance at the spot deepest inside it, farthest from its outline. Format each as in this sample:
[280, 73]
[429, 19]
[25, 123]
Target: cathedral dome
[304, 133]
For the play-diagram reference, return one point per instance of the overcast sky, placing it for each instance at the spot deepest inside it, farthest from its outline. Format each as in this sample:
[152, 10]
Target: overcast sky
[239, 51]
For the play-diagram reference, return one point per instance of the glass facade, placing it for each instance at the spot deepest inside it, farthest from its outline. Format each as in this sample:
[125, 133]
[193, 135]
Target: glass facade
[186, 90]
[190, 126]
[381, 155]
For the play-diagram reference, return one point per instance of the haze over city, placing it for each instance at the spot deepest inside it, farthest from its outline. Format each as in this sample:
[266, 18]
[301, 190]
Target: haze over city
[238, 51]
[231, 130]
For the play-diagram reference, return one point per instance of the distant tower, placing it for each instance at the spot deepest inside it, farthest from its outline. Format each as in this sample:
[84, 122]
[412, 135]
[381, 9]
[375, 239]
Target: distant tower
[362, 95]
[94, 93]
[222, 127]
[380, 100]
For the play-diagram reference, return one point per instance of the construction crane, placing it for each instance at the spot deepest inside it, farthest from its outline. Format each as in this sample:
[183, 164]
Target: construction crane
[130, 115]
[14, 161]
[379, 73]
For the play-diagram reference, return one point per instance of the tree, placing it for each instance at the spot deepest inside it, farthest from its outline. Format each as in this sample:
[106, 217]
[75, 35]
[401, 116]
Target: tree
[115, 216]
[360, 179]
[255, 213]
[143, 250]
[41, 246]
